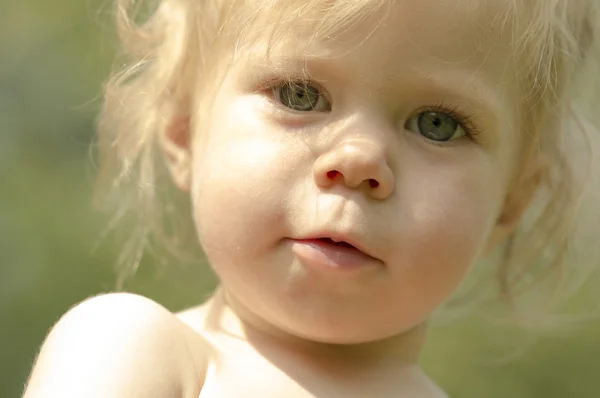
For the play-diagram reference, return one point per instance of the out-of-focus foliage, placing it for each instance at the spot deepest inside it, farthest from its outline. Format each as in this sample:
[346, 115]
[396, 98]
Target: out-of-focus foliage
[54, 56]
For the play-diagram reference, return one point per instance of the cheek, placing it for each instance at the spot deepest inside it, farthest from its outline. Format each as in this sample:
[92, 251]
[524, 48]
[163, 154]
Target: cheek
[241, 184]
[449, 209]
[452, 211]
[229, 179]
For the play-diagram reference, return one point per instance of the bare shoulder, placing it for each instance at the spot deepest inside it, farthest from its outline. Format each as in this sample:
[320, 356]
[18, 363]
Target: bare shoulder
[119, 345]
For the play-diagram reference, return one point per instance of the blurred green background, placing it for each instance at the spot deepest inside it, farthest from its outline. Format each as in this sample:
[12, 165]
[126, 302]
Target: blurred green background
[54, 56]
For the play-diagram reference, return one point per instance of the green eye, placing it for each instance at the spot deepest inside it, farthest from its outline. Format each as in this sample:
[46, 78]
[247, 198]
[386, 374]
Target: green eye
[436, 126]
[301, 96]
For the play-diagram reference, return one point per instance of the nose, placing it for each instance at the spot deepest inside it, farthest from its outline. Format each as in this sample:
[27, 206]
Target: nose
[357, 165]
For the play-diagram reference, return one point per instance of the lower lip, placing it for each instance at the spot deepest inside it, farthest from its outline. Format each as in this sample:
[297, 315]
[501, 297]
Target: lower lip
[327, 255]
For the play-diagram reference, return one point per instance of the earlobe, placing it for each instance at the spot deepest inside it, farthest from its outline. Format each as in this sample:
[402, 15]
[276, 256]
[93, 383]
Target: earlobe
[175, 142]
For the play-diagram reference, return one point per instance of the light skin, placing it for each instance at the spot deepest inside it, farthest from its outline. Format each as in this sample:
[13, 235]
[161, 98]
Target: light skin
[265, 179]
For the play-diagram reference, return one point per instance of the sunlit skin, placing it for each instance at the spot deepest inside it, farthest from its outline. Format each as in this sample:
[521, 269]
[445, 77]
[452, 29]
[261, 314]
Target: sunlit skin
[353, 168]
[358, 168]
[338, 227]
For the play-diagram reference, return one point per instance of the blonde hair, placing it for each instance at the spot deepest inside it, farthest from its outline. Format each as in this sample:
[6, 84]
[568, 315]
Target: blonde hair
[175, 48]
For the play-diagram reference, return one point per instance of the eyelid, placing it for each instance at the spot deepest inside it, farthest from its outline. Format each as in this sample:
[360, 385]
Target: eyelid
[267, 85]
[462, 118]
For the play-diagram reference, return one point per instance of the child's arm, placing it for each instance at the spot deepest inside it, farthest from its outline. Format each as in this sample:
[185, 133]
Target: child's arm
[118, 345]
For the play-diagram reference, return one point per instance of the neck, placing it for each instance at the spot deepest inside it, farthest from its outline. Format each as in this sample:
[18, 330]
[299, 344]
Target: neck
[398, 351]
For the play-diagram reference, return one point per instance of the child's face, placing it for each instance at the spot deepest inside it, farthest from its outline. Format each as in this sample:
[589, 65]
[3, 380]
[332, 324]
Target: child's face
[359, 168]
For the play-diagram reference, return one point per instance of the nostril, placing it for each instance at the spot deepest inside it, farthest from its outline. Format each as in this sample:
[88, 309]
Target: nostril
[332, 174]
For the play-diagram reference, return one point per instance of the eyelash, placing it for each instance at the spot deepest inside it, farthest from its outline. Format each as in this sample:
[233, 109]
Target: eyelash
[462, 118]
[270, 84]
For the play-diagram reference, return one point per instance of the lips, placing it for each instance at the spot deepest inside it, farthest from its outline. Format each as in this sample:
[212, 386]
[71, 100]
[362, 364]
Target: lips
[332, 242]
[333, 253]
[341, 240]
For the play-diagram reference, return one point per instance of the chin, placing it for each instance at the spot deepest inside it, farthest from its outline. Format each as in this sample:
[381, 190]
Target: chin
[344, 338]
[350, 331]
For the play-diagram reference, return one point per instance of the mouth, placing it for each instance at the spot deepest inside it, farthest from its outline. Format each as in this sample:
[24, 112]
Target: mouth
[339, 242]
[335, 243]
[329, 252]
[342, 242]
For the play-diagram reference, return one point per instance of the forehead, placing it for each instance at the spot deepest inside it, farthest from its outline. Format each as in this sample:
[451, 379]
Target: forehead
[433, 38]
[393, 34]
[443, 31]
[341, 20]
[462, 44]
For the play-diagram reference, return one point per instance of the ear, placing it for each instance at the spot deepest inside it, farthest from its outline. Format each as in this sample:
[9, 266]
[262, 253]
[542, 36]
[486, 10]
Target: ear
[518, 200]
[175, 142]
